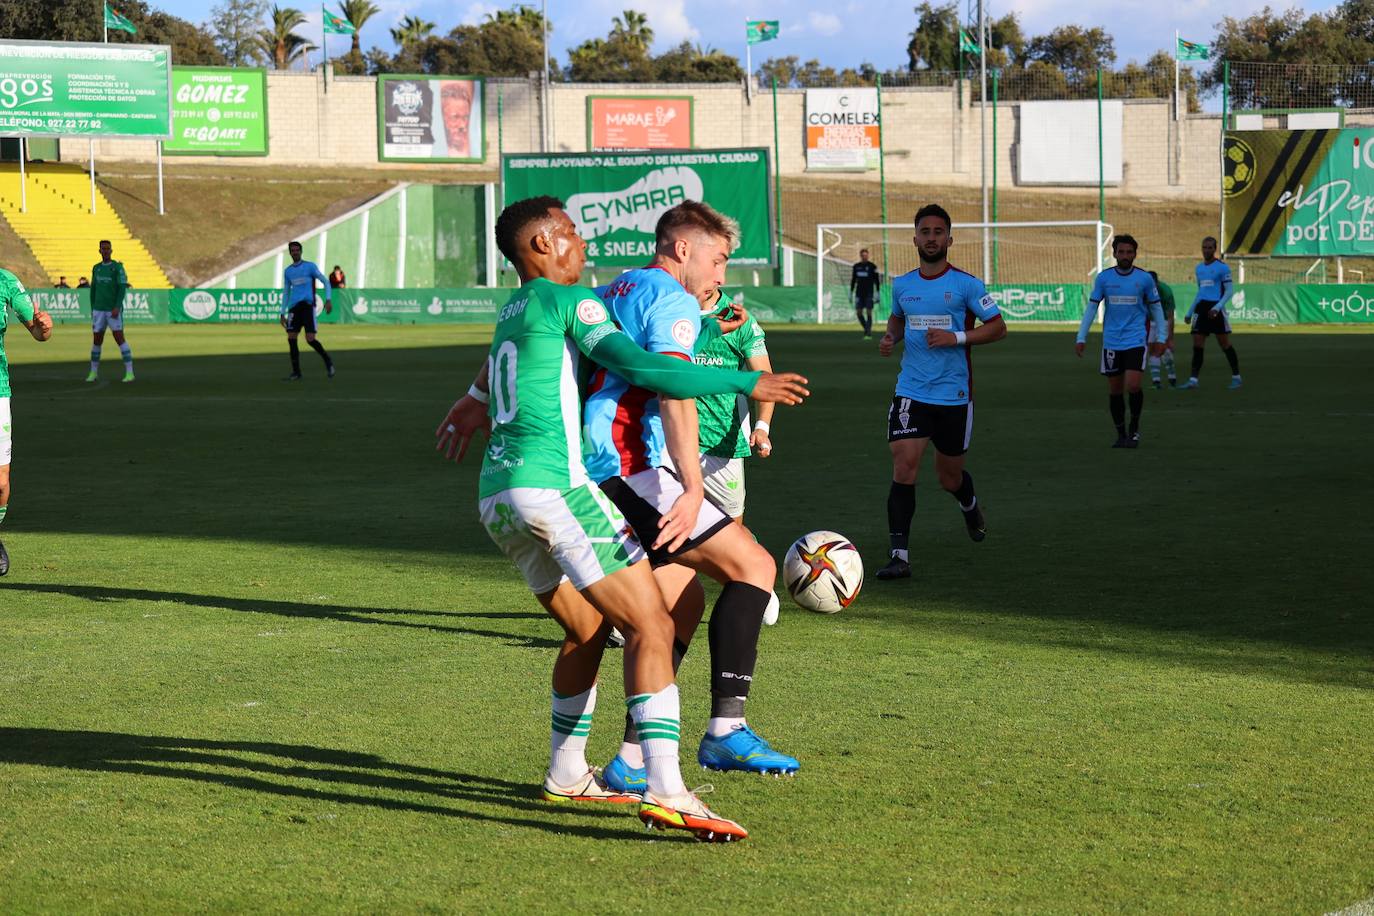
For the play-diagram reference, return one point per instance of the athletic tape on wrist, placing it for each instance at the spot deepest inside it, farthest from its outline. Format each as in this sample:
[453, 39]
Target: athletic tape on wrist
[477, 394]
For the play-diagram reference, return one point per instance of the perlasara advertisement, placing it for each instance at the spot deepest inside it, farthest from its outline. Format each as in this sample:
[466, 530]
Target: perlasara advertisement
[616, 199]
[219, 111]
[639, 122]
[52, 89]
[430, 118]
[1299, 192]
[842, 130]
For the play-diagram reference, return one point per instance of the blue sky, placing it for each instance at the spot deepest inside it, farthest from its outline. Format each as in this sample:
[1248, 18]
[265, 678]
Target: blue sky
[839, 33]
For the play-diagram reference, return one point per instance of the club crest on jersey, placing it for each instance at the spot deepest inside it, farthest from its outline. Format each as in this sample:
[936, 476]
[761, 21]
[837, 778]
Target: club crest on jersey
[684, 333]
[949, 296]
[591, 312]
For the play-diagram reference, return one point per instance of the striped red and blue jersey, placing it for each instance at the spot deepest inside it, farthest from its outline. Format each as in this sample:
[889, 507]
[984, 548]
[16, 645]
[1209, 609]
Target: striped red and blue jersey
[623, 431]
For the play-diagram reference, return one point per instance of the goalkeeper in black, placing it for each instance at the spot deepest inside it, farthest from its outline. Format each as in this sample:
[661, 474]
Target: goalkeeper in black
[864, 283]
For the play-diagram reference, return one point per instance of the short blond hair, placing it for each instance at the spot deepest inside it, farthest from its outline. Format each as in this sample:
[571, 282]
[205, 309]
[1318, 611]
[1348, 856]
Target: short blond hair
[695, 215]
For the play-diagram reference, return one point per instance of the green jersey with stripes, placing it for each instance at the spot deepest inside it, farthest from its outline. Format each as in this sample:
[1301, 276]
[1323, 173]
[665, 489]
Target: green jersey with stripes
[14, 297]
[542, 333]
[108, 283]
[721, 417]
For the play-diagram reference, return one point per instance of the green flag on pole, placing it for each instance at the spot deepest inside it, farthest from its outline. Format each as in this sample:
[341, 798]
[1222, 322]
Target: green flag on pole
[1190, 50]
[115, 21]
[757, 30]
[336, 25]
[966, 43]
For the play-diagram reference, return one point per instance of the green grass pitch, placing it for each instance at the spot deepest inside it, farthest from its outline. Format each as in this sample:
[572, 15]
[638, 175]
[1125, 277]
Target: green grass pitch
[257, 654]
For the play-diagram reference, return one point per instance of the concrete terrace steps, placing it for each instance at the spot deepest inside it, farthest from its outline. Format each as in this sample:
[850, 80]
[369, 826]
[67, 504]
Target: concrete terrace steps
[62, 232]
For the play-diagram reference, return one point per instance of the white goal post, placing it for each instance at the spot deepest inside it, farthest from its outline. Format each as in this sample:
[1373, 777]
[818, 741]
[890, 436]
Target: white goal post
[1050, 251]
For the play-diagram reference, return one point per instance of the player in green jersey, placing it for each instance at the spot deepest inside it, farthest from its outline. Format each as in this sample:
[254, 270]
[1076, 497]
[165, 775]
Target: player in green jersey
[573, 547]
[109, 283]
[13, 297]
[721, 419]
[1166, 359]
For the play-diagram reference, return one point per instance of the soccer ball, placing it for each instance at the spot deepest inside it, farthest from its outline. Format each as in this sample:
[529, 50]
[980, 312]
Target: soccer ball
[1238, 167]
[823, 572]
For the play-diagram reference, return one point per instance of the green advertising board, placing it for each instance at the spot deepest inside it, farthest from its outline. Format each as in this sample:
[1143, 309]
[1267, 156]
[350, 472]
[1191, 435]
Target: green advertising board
[211, 306]
[218, 111]
[1040, 301]
[1335, 303]
[1299, 192]
[617, 198]
[50, 89]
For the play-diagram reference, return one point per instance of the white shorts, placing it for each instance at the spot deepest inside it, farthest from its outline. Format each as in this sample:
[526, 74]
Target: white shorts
[102, 320]
[6, 437]
[557, 535]
[643, 498]
[724, 479]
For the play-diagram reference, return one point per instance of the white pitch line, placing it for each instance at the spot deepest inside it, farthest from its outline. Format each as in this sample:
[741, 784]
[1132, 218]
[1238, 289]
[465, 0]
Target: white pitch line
[1363, 908]
[151, 398]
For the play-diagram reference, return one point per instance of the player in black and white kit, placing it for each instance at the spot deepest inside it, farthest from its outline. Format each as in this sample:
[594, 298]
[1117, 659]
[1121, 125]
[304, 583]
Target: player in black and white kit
[864, 282]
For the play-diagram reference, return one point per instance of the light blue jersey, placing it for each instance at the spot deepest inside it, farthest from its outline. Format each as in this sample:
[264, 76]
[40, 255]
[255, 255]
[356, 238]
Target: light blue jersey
[623, 431]
[1213, 287]
[1127, 300]
[299, 286]
[948, 302]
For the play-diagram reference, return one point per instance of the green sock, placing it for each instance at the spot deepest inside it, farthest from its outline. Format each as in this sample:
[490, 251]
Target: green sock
[3, 510]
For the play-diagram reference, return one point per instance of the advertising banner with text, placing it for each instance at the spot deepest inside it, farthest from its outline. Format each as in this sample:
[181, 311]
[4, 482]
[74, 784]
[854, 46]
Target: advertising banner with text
[842, 130]
[212, 306]
[1299, 192]
[219, 111]
[68, 88]
[430, 118]
[419, 306]
[639, 122]
[616, 198]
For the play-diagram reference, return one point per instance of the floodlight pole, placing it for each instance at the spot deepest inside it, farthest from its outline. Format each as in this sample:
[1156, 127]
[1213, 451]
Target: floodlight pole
[544, 27]
[983, 127]
[749, 67]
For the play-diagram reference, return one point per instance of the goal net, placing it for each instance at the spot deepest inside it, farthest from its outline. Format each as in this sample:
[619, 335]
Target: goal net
[1014, 259]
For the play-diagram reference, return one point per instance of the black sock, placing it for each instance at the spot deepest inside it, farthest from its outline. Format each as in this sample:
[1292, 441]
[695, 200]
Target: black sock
[1233, 359]
[1197, 360]
[1137, 405]
[1118, 407]
[733, 635]
[901, 506]
[319, 348]
[965, 494]
[679, 650]
[868, 321]
[295, 356]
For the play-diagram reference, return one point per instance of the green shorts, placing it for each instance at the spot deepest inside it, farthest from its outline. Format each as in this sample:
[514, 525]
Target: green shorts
[557, 535]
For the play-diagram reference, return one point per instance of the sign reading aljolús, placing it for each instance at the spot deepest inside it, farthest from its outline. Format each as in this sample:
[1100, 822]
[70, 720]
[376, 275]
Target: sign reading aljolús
[617, 199]
[430, 118]
[218, 111]
[842, 130]
[205, 306]
[1299, 192]
[54, 89]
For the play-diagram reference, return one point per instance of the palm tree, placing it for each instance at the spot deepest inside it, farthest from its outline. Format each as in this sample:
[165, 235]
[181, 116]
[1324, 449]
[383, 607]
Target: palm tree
[358, 12]
[411, 29]
[634, 27]
[524, 17]
[280, 43]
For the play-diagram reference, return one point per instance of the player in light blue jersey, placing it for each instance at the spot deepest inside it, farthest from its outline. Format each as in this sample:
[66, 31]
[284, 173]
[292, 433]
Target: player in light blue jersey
[1129, 299]
[298, 309]
[644, 451]
[934, 310]
[1208, 311]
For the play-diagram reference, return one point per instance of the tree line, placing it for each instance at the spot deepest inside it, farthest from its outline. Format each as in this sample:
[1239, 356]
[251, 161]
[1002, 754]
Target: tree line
[1062, 63]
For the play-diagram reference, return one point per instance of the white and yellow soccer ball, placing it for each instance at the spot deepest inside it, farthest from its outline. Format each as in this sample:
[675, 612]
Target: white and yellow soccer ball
[823, 572]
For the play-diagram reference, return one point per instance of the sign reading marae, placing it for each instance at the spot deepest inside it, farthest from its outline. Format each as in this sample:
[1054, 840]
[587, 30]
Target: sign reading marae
[842, 130]
[617, 199]
[1299, 192]
[50, 88]
[639, 122]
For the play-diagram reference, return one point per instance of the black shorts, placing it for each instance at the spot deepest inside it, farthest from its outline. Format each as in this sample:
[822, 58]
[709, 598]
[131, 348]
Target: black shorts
[644, 517]
[1116, 362]
[948, 426]
[301, 318]
[1204, 323]
[863, 302]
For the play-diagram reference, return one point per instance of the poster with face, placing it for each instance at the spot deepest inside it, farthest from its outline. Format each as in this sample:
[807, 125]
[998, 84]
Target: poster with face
[430, 118]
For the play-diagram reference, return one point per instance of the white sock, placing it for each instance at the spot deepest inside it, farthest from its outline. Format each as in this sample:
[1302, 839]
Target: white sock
[900, 554]
[95, 359]
[718, 726]
[657, 720]
[632, 754]
[572, 722]
[128, 354]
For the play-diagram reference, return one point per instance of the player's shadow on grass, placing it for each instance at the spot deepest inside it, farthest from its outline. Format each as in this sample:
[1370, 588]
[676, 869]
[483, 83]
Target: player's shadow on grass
[345, 613]
[314, 774]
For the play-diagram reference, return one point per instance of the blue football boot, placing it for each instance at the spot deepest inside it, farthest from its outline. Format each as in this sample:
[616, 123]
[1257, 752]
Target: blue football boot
[622, 777]
[743, 749]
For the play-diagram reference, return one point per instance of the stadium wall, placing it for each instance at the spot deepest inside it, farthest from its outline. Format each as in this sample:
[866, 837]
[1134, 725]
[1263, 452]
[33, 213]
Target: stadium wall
[932, 133]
